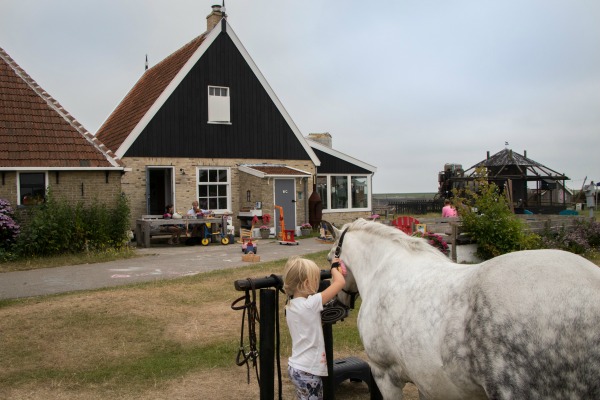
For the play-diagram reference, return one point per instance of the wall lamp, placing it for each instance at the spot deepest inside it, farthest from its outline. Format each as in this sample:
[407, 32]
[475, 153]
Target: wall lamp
[182, 171]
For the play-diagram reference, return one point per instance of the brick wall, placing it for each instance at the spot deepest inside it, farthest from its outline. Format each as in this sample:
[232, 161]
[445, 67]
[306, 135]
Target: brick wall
[87, 187]
[134, 183]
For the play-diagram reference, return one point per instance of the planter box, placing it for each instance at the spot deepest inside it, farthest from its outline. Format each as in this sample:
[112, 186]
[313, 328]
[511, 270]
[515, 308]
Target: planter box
[251, 258]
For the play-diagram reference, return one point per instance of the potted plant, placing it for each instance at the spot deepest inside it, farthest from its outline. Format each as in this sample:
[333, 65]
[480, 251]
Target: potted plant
[265, 231]
[305, 229]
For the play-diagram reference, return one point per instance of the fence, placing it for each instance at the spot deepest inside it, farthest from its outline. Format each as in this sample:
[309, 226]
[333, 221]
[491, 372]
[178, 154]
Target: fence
[416, 207]
[451, 228]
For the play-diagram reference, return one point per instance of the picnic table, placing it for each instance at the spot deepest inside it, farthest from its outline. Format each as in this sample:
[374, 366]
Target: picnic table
[150, 225]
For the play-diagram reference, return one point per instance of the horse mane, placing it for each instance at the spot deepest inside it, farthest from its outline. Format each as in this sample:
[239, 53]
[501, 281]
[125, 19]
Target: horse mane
[385, 232]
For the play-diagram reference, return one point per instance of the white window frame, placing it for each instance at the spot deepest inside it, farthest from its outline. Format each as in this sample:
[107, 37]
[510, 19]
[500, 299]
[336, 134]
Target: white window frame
[226, 184]
[349, 189]
[45, 173]
[219, 105]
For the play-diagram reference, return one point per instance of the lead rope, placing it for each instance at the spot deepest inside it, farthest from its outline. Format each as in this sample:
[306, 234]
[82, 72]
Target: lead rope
[249, 307]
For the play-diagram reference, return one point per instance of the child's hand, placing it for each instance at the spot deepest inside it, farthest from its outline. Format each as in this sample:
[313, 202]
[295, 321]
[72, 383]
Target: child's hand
[339, 265]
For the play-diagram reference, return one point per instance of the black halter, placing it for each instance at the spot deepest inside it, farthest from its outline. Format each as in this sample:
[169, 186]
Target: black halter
[338, 249]
[336, 254]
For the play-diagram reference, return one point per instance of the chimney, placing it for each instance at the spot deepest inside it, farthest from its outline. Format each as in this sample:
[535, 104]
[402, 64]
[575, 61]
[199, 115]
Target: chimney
[525, 153]
[322, 138]
[214, 17]
[488, 155]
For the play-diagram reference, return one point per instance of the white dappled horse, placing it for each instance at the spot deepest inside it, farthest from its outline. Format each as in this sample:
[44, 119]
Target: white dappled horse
[525, 325]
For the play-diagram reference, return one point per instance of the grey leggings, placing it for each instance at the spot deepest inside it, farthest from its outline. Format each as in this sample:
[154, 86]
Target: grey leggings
[308, 386]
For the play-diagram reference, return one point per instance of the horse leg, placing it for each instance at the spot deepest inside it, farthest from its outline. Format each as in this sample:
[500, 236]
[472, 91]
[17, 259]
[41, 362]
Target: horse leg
[389, 387]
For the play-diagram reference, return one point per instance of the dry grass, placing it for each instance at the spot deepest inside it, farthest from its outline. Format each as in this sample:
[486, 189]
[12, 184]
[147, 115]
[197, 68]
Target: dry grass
[167, 339]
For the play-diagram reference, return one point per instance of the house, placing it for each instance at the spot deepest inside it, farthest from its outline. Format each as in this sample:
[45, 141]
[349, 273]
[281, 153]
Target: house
[43, 147]
[204, 124]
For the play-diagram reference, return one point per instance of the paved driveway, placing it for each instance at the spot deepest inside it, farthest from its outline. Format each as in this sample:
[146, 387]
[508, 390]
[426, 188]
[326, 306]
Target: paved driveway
[159, 262]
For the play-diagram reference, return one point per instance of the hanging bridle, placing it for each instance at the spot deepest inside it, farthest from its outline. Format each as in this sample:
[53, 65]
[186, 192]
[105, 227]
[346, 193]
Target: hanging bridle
[336, 254]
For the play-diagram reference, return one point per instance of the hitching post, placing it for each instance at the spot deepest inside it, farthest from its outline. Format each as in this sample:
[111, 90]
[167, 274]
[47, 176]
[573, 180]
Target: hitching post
[267, 334]
[267, 344]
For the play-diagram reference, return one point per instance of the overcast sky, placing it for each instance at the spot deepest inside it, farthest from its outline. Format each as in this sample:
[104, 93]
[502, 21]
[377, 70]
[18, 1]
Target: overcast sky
[404, 85]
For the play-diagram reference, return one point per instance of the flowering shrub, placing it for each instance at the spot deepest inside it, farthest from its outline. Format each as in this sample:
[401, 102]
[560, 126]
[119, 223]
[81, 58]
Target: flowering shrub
[9, 229]
[306, 225]
[583, 238]
[266, 218]
[435, 240]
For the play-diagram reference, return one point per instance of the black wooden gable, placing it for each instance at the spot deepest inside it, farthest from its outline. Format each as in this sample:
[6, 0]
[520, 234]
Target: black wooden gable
[334, 165]
[180, 128]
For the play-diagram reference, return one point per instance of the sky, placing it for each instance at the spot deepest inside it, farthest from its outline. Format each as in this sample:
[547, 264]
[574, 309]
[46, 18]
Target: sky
[404, 85]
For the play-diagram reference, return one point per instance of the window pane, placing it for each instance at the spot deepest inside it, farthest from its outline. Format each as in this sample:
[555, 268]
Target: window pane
[222, 175]
[203, 191]
[339, 192]
[203, 175]
[222, 203]
[213, 204]
[212, 175]
[211, 91]
[360, 192]
[322, 190]
[32, 187]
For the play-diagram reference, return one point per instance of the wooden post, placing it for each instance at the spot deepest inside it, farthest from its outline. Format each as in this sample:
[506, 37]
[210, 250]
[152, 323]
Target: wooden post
[454, 237]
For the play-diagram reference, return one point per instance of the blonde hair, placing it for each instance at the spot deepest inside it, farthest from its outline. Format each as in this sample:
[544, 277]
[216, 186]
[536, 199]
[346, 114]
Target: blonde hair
[301, 275]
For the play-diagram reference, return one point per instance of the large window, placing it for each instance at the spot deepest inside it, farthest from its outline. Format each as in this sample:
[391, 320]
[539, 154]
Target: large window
[32, 188]
[339, 192]
[214, 189]
[218, 105]
[360, 192]
[344, 192]
[323, 191]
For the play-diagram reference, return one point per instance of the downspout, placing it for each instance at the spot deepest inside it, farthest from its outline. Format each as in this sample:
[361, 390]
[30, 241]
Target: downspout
[305, 199]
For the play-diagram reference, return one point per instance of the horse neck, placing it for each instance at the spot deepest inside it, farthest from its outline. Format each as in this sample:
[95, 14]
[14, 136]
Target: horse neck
[367, 255]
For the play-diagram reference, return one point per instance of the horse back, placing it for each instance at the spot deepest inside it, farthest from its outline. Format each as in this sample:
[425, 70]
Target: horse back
[531, 326]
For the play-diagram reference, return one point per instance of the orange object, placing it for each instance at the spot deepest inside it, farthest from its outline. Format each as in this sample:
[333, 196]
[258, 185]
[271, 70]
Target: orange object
[286, 235]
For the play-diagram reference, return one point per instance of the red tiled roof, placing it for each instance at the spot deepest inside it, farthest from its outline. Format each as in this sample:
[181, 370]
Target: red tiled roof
[143, 95]
[36, 131]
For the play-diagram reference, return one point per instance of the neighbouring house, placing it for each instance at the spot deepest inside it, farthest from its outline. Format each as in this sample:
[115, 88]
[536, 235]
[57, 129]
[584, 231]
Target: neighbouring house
[43, 147]
[203, 124]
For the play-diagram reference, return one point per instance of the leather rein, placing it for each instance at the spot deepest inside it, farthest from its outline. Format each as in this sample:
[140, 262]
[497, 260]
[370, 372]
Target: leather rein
[336, 254]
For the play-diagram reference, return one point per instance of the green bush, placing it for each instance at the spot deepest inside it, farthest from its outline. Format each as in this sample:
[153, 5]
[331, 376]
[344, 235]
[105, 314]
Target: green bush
[487, 217]
[57, 227]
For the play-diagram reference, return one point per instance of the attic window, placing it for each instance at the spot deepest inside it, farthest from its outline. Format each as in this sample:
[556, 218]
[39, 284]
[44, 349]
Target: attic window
[218, 105]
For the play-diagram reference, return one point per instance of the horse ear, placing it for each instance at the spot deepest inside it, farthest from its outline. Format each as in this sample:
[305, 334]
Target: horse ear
[334, 231]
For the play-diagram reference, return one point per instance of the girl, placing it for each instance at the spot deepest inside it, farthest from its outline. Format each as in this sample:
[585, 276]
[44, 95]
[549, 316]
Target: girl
[174, 229]
[308, 364]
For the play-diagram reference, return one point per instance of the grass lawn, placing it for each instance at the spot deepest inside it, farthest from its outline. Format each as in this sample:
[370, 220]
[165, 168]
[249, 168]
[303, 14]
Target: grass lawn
[166, 339]
[67, 259]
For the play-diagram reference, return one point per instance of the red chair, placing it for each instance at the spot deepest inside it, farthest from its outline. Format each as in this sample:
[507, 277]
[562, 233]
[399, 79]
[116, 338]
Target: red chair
[405, 224]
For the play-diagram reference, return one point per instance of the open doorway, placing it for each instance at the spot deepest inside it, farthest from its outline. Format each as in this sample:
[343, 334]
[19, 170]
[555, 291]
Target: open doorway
[159, 189]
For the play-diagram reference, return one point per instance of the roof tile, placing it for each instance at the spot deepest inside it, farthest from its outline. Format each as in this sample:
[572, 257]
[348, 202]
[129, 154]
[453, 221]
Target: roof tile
[35, 130]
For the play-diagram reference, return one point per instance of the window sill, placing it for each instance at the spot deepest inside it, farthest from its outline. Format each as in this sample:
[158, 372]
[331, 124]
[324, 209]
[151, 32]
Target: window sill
[218, 123]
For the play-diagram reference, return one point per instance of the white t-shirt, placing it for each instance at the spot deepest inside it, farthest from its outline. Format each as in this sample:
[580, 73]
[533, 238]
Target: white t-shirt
[303, 317]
